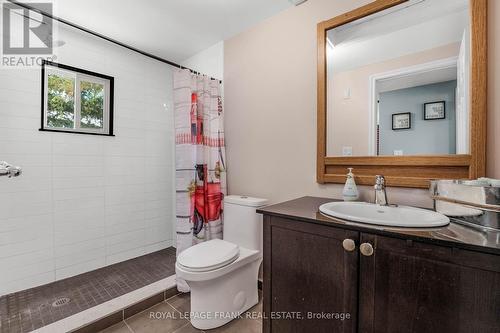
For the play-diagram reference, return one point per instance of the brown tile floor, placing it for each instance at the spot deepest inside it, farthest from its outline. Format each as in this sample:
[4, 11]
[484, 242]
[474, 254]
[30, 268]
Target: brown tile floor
[172, 322]
[32, 308]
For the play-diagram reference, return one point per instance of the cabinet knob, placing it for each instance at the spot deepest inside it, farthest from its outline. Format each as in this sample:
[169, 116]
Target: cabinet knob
[366, 249]
[349, 245]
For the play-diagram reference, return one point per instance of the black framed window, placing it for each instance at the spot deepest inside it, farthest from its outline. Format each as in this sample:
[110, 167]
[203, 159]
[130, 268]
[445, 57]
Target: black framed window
[76, 100]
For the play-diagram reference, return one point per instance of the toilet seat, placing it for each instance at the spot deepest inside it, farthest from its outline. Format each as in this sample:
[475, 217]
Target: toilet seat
[208, 256]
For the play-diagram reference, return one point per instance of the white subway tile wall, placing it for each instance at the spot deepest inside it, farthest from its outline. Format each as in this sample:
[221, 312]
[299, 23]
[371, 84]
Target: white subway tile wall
[84, 201]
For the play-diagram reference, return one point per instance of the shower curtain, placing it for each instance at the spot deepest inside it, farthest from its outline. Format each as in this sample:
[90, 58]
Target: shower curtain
[199, 161]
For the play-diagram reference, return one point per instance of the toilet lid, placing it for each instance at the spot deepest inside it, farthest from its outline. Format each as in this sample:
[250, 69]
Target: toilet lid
[209, 255]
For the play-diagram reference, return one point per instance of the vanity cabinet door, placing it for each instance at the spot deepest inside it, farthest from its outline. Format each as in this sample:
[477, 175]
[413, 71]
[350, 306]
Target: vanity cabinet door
[307, 271]
[408, 286]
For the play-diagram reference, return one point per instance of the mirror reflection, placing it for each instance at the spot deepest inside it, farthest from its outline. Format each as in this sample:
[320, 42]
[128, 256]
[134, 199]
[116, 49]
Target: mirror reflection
[398, 81]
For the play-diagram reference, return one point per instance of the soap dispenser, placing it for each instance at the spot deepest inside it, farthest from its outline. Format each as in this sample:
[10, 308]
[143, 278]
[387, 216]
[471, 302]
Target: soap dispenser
[350, 192]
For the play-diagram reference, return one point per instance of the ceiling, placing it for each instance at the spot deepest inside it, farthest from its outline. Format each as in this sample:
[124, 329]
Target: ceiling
[396, 18]
[171, 29]
[417, 79]
[403, 31]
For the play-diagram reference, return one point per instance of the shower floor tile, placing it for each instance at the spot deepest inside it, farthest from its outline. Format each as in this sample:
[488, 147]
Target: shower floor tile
[33, 308]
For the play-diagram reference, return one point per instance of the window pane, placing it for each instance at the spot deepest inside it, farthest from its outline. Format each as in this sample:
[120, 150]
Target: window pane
[92, 105]
[61, 101]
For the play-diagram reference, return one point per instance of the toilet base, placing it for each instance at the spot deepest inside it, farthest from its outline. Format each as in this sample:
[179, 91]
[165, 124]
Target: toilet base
[218, 301]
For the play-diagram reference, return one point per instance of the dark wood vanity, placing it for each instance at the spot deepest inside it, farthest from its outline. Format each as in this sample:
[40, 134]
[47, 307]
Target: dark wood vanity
[327, 275]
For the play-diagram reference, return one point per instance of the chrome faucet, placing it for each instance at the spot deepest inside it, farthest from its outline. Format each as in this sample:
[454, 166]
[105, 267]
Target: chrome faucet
[380, 193]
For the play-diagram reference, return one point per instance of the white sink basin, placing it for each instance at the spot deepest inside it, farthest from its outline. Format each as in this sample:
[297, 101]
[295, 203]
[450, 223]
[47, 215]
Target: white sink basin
[400, 216]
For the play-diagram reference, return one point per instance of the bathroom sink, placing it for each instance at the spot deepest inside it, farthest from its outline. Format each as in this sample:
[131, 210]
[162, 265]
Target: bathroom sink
[394, 216]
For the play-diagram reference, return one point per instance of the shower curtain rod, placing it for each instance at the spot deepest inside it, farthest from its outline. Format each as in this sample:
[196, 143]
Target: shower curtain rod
[114, 41]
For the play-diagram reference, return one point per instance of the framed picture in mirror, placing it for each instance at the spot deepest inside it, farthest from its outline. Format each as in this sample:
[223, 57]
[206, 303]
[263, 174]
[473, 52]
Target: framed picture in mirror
[401, 121]
[435, 110]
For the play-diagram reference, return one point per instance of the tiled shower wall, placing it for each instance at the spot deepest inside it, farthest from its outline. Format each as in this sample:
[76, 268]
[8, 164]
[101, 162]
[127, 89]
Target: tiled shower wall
[85, 201]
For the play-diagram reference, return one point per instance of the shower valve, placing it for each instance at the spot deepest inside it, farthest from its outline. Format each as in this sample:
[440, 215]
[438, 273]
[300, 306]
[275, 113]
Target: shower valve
[8, 170]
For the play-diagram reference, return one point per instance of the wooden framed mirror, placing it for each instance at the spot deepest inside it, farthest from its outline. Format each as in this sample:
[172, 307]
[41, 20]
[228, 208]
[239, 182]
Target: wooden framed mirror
[402, 92]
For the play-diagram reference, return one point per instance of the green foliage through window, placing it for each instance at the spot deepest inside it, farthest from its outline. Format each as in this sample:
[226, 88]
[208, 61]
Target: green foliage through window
[92, 105]
[61, 101]
[76, 101]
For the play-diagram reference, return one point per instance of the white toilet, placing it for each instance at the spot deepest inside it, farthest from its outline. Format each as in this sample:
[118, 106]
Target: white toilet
[222, 274]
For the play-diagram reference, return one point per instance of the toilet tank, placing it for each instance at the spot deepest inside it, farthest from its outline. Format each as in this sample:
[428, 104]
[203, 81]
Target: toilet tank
[242, 225]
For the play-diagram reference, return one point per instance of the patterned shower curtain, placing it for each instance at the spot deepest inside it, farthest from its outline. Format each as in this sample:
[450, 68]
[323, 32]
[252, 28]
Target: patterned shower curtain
[199, 161]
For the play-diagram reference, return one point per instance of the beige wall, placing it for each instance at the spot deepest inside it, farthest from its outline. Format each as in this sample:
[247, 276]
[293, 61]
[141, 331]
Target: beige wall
[270, 103]
[493, 169]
